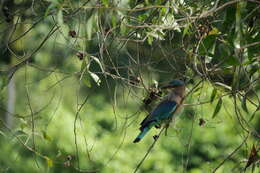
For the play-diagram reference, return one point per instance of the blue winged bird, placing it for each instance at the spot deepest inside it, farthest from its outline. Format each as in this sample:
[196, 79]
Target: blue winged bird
[165, 110]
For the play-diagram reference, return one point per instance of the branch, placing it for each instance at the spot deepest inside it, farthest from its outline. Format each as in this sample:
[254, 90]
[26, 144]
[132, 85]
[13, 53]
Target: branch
[231, 154]
[149, 150]
[24, 60]
[75, 127]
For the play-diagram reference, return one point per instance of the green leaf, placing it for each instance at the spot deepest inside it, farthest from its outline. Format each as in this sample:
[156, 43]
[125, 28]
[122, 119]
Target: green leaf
[155, 83]
[95, 78]
[83, 66]
[150, 39]
[186, 30]
[229, 17]
[213, 95]
[224, 50]
[217, 108]
[214, 31]
[48, 161]
[86, 80]
[23, 124]
[99, 63]
[207, 45]
[105, 2]
[243, 104]
[232, 61]
[113, 20]
[197, 89]
[90, 25]
[84, 76]
[3, 81]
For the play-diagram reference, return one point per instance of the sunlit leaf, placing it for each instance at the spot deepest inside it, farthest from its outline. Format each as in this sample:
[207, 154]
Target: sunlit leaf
[186, 30]
[113, 21]
[223, 85]
[217, 108]
[48, 161]
[95, 78]
[105, 2]
[85, 76]
[59, 154]
[23, 124]
[213, 95]
[214, 31]
[90, 25]
[238, 38]
[150, 39]
[83, 66]
[157, 35]
[155, 83]
[60, 17]
[197, 89]
[98, 61]
[86, 80]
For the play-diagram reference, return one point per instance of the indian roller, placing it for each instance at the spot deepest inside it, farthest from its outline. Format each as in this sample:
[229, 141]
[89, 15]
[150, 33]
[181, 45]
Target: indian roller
[165, 110]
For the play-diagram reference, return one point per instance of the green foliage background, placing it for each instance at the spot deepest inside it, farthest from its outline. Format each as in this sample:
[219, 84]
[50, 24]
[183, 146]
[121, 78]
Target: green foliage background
[83, 68]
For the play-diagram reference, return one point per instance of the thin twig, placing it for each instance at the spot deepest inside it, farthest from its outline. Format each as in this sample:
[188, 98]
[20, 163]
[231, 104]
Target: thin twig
[75, 127]
[149, 150]
[189, 143]
[25, 59]
[32, 115]
[231, 154]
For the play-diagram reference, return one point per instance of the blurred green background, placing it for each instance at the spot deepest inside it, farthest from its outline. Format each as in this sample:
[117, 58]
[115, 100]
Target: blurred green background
[74, 76]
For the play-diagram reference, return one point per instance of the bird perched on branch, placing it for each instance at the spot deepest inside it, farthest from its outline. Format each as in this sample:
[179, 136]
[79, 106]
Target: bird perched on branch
[165, 110]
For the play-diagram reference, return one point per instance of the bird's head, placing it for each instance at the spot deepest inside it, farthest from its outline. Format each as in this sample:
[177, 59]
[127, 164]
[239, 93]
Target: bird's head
[174, 84]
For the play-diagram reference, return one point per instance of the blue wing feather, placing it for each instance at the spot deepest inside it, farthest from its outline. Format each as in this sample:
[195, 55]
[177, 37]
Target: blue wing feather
[163, 111]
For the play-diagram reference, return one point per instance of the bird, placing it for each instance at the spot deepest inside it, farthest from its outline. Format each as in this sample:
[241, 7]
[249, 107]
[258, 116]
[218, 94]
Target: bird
[165, 110]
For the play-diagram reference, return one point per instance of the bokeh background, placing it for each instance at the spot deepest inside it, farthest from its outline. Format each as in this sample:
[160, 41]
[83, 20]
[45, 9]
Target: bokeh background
[77, 78]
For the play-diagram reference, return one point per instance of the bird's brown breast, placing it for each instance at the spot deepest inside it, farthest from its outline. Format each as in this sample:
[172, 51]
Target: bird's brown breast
[174, 97]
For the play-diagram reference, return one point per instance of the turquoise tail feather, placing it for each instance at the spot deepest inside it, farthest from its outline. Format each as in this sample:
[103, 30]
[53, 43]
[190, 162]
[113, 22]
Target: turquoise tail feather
[141, 134]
